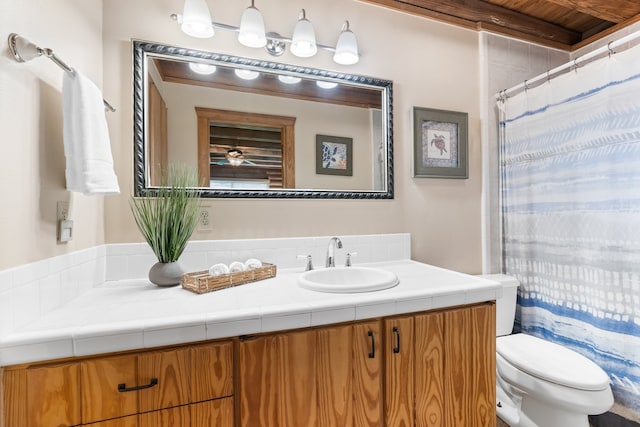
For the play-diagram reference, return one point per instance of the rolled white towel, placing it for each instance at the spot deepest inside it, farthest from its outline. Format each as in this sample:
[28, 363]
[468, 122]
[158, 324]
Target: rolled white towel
[236, 267]
[252, 264]
[218, 270]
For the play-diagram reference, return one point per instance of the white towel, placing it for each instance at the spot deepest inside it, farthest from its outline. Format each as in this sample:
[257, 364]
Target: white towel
[86, 138]
[252, 264]
[218, 270]
[236, 267]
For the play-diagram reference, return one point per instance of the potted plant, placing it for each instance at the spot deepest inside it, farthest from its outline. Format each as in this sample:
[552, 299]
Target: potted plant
[167, 220]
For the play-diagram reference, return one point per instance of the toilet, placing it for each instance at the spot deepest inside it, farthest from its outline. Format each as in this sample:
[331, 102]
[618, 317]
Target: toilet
[540, 383]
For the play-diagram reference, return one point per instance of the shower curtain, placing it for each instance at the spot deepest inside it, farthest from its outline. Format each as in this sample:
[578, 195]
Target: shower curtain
[570, 174]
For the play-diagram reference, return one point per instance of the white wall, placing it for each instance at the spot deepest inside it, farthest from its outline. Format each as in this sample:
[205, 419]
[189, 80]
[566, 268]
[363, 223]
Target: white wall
[31, 150]
[431, 64]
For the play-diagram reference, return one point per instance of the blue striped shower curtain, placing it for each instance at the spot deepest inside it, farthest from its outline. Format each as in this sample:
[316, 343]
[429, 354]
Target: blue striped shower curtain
[570, 172]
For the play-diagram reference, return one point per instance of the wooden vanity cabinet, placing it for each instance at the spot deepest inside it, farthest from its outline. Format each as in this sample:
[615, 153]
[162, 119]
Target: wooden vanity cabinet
[321, 377]
[440, 368]
[172, 387]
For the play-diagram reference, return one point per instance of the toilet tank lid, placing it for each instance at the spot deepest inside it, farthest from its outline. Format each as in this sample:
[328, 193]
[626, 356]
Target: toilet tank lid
[551, 362]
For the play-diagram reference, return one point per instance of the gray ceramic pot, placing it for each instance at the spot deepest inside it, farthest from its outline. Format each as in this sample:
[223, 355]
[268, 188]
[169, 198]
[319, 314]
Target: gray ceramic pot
[166, 273]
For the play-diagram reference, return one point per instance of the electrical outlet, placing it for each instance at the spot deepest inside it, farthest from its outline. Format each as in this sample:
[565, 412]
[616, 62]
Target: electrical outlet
[63, 211]
[205, 218]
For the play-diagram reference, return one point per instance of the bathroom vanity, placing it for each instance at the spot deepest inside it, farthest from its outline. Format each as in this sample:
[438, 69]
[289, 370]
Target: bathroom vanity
[269, 353]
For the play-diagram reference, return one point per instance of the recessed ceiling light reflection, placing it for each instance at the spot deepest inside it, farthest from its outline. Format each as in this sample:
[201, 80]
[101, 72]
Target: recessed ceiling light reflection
[326, 85]
[290, 80]
[247, 74]
[200, 68]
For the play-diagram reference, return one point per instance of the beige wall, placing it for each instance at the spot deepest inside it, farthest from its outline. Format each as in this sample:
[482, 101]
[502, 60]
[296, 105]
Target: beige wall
[431, 64]
[31, 151]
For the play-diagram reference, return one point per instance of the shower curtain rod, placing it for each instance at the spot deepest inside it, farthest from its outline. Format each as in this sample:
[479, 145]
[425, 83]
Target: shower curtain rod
[23, 50]
[575, 63]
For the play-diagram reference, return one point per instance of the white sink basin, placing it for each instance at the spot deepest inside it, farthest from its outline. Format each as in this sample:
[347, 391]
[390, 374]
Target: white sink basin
[348, 279]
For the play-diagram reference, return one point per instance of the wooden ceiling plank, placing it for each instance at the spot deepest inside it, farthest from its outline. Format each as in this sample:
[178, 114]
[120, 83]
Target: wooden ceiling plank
[476, 12]
[613, 11]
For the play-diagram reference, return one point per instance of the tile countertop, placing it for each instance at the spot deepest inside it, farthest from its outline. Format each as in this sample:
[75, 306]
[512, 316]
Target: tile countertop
[134, 314]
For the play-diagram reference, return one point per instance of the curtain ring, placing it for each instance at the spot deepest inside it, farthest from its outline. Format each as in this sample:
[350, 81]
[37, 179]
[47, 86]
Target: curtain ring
[611, 51]
[526, 86]
[575, 65]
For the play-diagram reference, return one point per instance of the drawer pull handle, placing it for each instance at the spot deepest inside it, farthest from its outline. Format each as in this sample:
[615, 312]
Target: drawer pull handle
[372, 353]
[396, 349]
[122, 388]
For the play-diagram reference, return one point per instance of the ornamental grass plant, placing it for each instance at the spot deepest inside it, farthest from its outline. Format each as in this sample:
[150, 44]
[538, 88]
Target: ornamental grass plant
[167, 219]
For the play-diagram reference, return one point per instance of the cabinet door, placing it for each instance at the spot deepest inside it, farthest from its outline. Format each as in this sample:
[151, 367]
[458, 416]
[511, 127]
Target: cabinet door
[211, 371]
[131, 421]
[367, 374]
[429, 370]
[172, 417]
[170, 368]
[100, 379]
[278, 380]
[399, 372]
[215, 413]
[470, 366]
[41, 396]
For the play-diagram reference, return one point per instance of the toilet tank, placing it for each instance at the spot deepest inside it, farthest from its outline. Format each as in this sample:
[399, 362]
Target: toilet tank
[505, 305]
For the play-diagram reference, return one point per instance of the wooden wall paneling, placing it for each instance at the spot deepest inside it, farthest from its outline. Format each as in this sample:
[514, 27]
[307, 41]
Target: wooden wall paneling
[171, 369]
[334, 376]
[399, 372]
[101, 399]
[211, 372]
[367, 374]
[429, 370]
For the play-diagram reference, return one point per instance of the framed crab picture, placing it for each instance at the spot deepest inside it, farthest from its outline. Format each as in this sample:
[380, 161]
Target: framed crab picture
[440, 145]
[334, 155]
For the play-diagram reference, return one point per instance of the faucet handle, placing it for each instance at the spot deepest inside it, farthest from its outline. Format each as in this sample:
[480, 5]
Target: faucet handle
[347, 263]
[309, 262]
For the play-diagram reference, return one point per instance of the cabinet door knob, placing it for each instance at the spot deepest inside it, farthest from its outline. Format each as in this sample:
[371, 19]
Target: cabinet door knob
[396, 332]
[122, 388]
[372, 353]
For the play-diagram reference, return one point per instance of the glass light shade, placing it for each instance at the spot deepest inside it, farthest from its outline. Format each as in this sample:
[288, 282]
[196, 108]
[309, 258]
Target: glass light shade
[346, 48]
[303, 42]
[326, 85]
[196, 19]
[290, 80]
[246, 74]
[252, 33]
[200, 68]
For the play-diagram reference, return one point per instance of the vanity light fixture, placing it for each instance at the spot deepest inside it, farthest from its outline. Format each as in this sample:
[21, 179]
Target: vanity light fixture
[196, 21]
[201, 68]
[246, 74]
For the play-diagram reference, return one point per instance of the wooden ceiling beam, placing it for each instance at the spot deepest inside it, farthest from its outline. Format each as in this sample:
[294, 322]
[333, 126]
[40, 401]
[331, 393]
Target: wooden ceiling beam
[479, 14]
[618, 11]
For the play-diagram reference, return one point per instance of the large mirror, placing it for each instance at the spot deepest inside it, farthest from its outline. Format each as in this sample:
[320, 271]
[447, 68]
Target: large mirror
[260, 129]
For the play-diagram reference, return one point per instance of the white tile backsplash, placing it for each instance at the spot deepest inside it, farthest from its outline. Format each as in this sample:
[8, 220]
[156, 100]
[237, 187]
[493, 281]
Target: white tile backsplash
[30, 291]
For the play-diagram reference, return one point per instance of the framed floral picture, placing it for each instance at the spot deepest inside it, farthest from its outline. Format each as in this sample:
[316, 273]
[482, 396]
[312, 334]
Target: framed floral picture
[334, 155]
[440, 146]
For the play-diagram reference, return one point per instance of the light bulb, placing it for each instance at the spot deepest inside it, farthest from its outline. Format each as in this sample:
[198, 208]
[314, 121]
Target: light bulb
[290, 80]
[200, 68]
[347, 47]
[252, 33]
[246, 74]
[326, 85]
[303, 42]
[196, 19]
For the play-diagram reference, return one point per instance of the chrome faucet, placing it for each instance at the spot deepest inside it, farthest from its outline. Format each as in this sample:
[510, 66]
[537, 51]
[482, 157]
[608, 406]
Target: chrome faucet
[333, 242]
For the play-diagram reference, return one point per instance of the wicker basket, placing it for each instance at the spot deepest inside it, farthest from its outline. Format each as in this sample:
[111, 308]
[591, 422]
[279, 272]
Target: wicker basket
[201, 282]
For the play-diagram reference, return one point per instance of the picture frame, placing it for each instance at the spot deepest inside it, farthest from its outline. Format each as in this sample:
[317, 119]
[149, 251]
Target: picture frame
[334, 155]
[440, 143]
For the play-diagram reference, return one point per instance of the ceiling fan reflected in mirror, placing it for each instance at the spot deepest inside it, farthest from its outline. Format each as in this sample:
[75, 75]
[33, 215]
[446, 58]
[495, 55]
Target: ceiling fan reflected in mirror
[234, 157]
